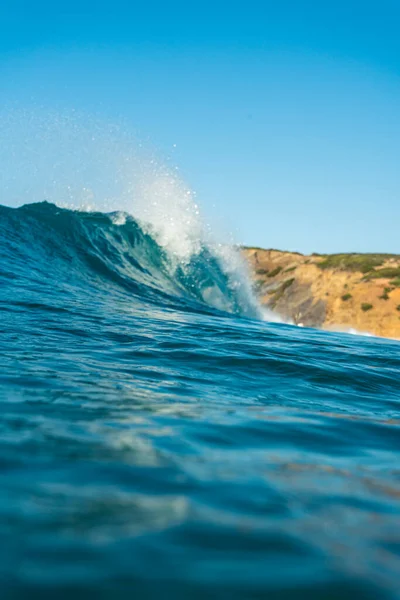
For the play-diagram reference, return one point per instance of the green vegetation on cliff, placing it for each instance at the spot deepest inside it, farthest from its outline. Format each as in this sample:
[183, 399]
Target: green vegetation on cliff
[275, 272]
[386, 273]
[364, 263]
[365, 306]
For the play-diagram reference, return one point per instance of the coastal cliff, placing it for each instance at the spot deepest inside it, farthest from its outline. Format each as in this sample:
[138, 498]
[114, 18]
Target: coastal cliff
[337, 291]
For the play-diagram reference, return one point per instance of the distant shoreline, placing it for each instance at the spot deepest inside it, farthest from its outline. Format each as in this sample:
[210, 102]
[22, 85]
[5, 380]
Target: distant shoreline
[329, 291]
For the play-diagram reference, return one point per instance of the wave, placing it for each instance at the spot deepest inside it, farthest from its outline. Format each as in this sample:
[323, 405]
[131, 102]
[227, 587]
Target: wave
[114, 252]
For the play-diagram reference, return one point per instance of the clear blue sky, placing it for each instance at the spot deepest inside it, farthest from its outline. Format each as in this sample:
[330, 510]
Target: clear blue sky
[285, 115]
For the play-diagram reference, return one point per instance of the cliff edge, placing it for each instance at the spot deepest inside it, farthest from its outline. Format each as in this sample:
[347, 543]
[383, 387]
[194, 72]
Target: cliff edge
[336, 291]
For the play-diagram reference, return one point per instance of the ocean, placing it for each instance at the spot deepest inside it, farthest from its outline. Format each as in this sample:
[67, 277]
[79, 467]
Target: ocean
[162, 437]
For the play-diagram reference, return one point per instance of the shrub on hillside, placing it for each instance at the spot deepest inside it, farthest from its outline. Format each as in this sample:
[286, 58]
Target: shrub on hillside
[365, 306]
[275, 272]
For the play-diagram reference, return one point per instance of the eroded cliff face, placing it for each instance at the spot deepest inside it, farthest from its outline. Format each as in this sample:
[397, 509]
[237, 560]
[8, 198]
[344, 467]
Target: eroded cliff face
[337, 292]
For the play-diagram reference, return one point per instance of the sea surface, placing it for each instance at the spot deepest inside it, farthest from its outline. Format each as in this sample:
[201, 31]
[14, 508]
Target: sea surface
[160, 438]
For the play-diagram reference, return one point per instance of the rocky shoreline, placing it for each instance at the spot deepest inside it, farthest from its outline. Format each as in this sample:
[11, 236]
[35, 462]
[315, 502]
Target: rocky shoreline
[337, 291]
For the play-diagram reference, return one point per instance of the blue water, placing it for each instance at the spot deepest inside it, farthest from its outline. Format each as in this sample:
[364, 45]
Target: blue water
[156, 444]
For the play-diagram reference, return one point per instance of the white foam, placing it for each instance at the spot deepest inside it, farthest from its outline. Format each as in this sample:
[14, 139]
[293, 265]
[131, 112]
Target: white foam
[354, 331]
[119, 218]
[167, 208]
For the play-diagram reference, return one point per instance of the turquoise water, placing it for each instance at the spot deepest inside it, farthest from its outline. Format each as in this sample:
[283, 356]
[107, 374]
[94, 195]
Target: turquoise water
[159, 440]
